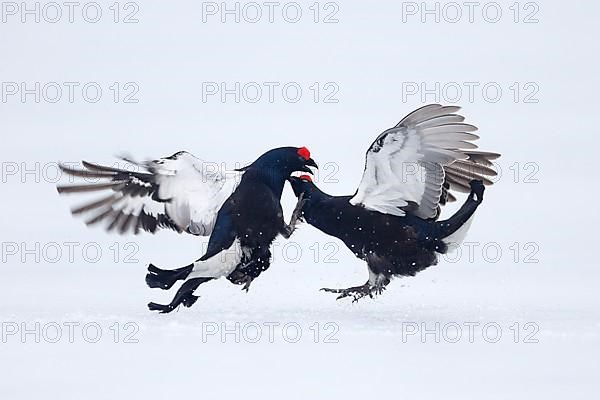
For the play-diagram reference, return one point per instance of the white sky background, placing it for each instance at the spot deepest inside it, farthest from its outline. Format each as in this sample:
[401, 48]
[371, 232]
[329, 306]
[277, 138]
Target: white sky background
[370, 55]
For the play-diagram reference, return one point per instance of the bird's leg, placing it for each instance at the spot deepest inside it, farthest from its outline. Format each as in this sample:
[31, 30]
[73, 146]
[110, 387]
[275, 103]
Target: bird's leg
[296, 215]
[185, 296]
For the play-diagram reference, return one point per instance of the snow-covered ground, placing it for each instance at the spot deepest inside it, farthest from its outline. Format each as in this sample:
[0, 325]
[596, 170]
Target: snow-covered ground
[515, 314]
[232, 344]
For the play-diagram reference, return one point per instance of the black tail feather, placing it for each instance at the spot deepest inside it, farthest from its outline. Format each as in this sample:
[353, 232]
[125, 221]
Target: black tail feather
[452, 224]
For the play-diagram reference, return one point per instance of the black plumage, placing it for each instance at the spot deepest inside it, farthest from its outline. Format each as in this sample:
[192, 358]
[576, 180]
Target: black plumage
[391, 221]
[241, 212]
[391, 245]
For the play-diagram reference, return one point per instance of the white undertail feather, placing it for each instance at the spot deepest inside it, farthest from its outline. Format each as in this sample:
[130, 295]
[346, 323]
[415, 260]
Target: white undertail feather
[221, 264]
[454, 240]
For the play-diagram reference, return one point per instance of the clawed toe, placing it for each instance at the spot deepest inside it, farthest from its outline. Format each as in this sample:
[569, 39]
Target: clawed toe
[332, 290]
[378, 290]
[357, 292]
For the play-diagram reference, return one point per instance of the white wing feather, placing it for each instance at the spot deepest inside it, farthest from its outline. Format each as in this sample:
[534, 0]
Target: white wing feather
[180, 192]
[406, 166]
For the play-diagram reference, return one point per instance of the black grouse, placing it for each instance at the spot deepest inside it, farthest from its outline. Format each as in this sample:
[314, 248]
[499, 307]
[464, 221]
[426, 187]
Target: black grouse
[391, 221]
[240, 210]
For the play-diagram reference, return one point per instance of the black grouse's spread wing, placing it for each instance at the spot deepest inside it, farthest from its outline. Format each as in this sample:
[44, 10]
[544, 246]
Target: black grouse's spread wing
[413, 166]
[180, 192]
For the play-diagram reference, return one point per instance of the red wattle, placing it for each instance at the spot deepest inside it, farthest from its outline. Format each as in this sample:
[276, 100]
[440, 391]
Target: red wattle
[304, 153]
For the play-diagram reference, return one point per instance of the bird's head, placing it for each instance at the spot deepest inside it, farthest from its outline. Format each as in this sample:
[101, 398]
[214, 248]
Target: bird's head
[286, 160]
[302, 184]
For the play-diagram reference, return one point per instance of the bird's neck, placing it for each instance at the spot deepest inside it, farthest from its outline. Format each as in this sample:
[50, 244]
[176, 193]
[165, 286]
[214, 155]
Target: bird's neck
[275, 180]
[316, 194]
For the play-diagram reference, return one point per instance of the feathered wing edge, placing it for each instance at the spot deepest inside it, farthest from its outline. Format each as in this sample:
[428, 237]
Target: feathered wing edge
[460, 173]
[446, 155]
[442, 124]
[133, 204]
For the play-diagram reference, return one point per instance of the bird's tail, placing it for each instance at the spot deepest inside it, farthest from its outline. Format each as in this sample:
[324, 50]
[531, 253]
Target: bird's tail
[166, 278]
[454, 230]
[454, 240]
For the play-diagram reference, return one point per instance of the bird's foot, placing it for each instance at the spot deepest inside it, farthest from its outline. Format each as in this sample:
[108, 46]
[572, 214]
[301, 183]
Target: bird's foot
[248, 280]
[296, 216]
[297, 213]
[239, 277]
[378, 289]
[357, 292]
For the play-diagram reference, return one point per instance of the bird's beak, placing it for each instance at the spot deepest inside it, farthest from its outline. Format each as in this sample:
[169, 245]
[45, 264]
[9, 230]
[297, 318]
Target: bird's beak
[310, 163]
